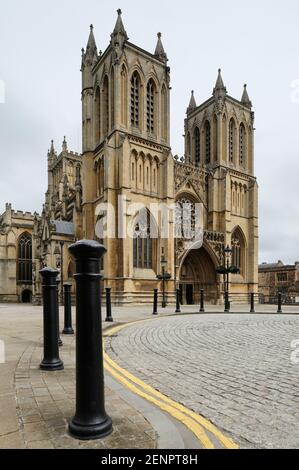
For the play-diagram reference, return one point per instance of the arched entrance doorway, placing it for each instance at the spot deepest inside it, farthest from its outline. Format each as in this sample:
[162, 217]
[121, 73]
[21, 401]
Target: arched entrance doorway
[198, 272]
[26, 296]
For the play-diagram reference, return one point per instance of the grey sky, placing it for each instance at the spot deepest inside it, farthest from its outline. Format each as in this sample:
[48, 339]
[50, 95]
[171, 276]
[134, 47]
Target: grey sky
[255, 42]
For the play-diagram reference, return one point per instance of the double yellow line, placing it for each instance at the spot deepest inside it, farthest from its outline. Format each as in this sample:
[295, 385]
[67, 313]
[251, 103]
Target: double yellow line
[196, 423]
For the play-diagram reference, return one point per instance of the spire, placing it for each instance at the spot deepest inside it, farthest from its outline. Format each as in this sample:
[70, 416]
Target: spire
[159, 51]
[219, 87]
[119, 35]
[64, 145]
[245, 98]
[90, 56]
[51, 152]
[192, 104]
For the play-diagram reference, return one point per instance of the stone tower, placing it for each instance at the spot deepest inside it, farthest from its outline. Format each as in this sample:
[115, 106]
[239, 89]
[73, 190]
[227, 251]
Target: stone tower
[126, 157]
[219, 152]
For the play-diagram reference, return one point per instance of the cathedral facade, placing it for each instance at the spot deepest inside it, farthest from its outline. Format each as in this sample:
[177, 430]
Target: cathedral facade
[127, 164]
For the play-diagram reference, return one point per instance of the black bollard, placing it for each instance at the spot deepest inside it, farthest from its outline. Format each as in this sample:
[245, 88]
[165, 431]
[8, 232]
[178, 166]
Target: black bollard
[178, 305]
[226, 302]
[109, 317]
[202, 301]
[279, 309]
[51, 360]
[252, 309]
[155, 306]
[68, 329]
[60, 343]
[90, 420]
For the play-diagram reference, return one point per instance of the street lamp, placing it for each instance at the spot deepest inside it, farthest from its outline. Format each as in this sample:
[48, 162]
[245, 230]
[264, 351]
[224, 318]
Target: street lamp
[226, 270]
[58, 252]
[164, 277]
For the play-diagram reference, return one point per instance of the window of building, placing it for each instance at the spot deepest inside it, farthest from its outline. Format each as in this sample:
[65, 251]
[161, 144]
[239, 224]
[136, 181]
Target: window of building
[143, 243]
[238, 251]
[208, 141]
[231, 140]
[282, 277]
[135, 99]
[150, 107]
[25, 259]
[242, 144]
[105, 119]
[196, 146]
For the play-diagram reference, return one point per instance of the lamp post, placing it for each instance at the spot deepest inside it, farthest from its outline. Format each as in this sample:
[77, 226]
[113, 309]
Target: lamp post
[58, 252]
[163, 277]
[226, 269]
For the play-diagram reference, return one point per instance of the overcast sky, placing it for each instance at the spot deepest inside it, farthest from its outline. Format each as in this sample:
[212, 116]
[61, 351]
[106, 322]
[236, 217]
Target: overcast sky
[253, 42]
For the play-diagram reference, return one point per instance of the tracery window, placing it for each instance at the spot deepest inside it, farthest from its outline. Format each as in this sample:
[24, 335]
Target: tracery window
[150, 106]
[135, 99]
[185, 219]
[231, 140]
[196, 146]
[237, 250]
[143, 242]
[242, 144]
[208, 141]
[25, 259]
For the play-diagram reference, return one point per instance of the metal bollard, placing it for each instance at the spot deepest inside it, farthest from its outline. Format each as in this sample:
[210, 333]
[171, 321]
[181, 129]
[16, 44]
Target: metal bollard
[91, 420]
[60, 343]
[155, 306]
[51, 360]
[226, 303]
[279, 309]
[252, 309]
[202, 301]
[178, 305]
[68, 329]
[109, 317]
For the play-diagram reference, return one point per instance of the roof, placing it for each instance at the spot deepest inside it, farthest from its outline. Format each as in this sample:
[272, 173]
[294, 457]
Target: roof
[64, 228]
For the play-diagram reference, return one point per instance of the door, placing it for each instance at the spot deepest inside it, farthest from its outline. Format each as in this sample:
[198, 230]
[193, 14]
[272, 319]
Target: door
[189, 294]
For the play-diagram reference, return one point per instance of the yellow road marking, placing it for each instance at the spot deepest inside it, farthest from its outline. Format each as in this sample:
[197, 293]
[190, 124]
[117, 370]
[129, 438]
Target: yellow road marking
[189, 423]
[150, 393]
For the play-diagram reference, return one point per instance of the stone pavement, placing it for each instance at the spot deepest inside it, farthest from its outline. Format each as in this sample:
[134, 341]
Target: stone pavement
[234, 370]
[35, 406]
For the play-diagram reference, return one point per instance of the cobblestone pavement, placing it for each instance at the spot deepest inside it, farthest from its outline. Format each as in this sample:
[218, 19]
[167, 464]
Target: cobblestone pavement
[235, 370]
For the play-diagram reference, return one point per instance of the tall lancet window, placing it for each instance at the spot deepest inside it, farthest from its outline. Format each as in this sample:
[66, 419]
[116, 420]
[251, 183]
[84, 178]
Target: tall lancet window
[196, 146]
[150, 106]
[105, 119]
[135, 100]
[208, 141]
[25, 259]
[231, 140]
[242, 145]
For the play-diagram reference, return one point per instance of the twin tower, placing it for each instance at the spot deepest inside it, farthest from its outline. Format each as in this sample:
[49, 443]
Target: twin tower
[127, 157]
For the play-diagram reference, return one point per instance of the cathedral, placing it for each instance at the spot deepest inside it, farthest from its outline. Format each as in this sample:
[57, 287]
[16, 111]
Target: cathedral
[126, 162]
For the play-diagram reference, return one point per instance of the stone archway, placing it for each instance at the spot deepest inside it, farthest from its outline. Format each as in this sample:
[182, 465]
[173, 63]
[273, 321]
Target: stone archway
[198, 272]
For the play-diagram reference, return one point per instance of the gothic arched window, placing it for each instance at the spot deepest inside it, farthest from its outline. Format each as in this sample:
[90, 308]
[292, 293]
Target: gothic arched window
[97, 114]
[112, 96]
[231, 140]
[188, 144]
[135, 100]
[25, 259]
[150, 106]
[208, 141]
[242, 158]
[164, 113]
[238, 250]
[196, 143]
[124, 96]
[185, 219]
[143, 242]
[105, 108]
